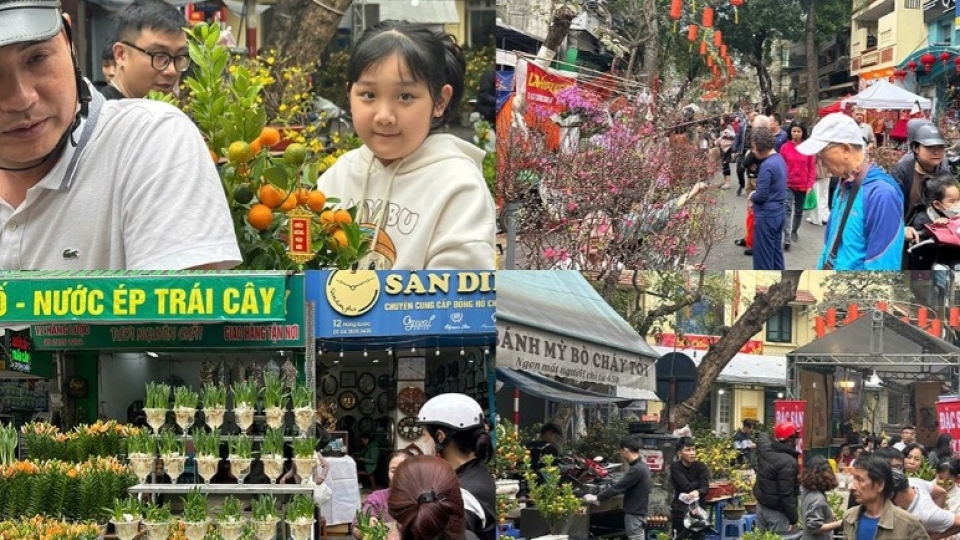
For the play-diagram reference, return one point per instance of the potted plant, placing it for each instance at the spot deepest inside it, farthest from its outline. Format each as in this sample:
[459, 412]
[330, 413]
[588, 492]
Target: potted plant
[214, 405]
[125, 516]
[271, 454]
[230, 520]
[300, 517]
[304, 457]
[241, 456]
[372, 529]
[195, 518]
[155, 407]
[304, 410]
[172, 453]
[556, 503]
[274, 399]
[157, 520]
[265, 517]
[185, 406]
[245, 395]
[141, 451]
[208, 453]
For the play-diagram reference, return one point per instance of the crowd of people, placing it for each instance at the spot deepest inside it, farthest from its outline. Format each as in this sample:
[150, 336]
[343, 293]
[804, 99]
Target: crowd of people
[874, 219]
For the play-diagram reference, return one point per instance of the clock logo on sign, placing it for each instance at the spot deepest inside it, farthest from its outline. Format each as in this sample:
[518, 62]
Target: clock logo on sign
[353, 293]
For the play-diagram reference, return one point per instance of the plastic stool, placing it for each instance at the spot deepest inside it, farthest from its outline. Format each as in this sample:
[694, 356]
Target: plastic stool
[749, 522]
[733, 529]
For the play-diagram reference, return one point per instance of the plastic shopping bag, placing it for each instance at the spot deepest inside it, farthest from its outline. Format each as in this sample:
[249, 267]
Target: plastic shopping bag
[811, 202]
[696, 518]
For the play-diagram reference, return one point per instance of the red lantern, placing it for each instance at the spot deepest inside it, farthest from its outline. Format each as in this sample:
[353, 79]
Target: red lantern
[853, 311]
[912, 66]
[692, 33]
[821, 326]
[882, 305]
[922, 317]
[955, 311]
[936, 328]
[927, 60]
[710, 61]
[717, 38]
[703, 48]
[899, 74]
[676, 8]
[723, 51]
[956, 63]
[945, 57]
[708, 17]
[832, 317]
[736, 12]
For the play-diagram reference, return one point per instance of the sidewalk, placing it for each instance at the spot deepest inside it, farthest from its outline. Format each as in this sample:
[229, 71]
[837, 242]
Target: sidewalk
[803, 255]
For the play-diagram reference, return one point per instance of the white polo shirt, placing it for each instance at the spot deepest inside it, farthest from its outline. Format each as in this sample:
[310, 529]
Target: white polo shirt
[932, 517]
[146, 195]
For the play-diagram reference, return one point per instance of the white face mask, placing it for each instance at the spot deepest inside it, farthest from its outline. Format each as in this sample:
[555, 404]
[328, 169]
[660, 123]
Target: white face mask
[952, 211]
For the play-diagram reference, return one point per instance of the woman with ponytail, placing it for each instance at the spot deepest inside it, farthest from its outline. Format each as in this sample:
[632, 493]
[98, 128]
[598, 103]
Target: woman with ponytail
[427, 501]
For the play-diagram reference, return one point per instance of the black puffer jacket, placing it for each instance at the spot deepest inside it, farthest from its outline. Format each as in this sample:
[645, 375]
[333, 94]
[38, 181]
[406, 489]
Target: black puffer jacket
[777, 486]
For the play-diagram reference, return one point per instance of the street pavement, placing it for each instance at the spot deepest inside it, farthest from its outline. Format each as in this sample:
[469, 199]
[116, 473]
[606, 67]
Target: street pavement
[803, 254]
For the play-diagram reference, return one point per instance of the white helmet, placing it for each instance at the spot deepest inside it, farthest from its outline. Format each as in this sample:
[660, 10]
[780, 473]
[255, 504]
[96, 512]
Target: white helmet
[456, 411]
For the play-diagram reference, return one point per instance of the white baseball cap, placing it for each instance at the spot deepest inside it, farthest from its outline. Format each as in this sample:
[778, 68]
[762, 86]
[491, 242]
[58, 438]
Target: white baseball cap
[29, 20]
[833, 128]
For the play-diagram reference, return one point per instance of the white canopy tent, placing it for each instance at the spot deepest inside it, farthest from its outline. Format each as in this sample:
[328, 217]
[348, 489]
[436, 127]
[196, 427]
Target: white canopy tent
[884, 95]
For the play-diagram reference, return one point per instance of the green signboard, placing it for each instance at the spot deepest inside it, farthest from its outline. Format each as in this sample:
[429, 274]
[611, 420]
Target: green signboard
[289, 333]
[117, 298]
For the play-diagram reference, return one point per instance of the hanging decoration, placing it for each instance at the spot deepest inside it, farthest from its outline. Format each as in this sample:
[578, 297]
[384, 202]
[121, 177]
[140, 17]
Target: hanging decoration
[899, 74]
[956, 63]
[703, 48]
[912, 66]
[708, 17]
[928, 60]
[676, 9]
[945, 57]
[723, 51]
[692, 35]
[736, 12]
[717, 38]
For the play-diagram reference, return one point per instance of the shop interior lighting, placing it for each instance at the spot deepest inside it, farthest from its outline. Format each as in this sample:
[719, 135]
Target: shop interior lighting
[376, 361]
[413, 350]
[153, 355]
[780, 395]
[389, 350]
[721, 391]
[341, 353]
[462, 352]
[336, 361]
[438, 352]
[364, 353]
[486, 351]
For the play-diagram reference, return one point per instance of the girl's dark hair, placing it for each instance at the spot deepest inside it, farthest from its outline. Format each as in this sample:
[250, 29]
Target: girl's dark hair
[954, 466]
[935, 188]
[425, 500]
[944, 447]
[878, 470]
[475, 440]
[432, 57]
[803, 130]
[818, 475]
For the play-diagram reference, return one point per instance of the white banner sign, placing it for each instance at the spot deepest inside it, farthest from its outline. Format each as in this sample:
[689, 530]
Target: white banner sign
[522, 347]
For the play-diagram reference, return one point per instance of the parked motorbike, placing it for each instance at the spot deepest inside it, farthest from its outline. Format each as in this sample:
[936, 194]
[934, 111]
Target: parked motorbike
[330, 119]
[588, 476]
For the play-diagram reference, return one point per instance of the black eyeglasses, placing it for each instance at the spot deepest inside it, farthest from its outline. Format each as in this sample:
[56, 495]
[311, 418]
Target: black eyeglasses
[160, 60]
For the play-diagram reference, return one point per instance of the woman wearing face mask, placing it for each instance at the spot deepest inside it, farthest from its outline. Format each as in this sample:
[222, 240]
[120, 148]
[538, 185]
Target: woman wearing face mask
[941, 201]
[455, 423]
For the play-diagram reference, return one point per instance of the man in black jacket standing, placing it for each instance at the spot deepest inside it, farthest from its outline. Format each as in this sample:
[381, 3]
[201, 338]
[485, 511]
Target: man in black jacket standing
[691, 478]
[777, 485]
[635, 487]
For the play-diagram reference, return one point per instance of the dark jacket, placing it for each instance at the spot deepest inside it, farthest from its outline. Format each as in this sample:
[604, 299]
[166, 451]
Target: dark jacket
[777, 485]
[635, 487]
[538, 449]
[902, 172]
[476, 478]
[685, 479]
[487, 96]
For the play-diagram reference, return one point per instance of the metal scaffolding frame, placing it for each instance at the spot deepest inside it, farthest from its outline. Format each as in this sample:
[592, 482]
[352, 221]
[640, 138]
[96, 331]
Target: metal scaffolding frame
[898, 352]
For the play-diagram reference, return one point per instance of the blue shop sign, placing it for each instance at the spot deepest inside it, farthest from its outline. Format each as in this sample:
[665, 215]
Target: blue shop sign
[382, 303]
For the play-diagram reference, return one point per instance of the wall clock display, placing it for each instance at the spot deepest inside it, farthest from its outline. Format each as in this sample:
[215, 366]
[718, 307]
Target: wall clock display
[329, 385]
[391, 430]
[410, 400]
[383, 382]
[367, 383]
[348, 400]
[329, 404]
[408, 428]
[366, 425]
[367, 406]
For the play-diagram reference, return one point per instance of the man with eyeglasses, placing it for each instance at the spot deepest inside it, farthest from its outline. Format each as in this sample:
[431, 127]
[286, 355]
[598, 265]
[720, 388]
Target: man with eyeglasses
[151, 50]
[90, 184]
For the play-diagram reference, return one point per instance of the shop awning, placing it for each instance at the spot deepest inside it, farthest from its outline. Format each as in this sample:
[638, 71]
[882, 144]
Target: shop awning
[743, 368]
[546, 388]
[425, 11]
[556, 324]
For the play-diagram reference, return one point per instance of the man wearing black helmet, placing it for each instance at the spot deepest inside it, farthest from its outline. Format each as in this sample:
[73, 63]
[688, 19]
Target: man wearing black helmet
[89, 184]
[925, 160]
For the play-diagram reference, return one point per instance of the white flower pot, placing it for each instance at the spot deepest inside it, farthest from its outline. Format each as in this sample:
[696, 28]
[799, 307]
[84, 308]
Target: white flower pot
[272, 467]
[185, 417]
[195, 530]
[126, 530]
[266, 530]
[305, 417]
[274, 417]
[173, 463]
[156, 418]
[207, 467]
[214, 417]
[142, 465]
[305, 468]
[240, 467]
[243, 417]
[157, 531]
[230, 530]
[301, 529]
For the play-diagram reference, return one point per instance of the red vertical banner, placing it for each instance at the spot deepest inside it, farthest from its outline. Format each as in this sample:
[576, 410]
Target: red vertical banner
[948, 420]
[792, 410]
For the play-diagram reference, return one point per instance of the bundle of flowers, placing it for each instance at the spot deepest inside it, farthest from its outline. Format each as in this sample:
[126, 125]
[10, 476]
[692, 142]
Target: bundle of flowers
[45, 441]
[57, 488]
[44, 528]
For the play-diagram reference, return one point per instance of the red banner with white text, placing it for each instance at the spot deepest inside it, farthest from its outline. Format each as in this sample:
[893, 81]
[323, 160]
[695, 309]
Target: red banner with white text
[948, 420]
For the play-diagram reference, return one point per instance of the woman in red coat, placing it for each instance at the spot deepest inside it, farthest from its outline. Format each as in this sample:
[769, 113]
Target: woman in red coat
[801, 174]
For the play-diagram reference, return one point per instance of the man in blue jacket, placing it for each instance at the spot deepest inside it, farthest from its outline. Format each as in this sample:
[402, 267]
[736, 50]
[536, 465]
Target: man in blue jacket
[873, 235]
